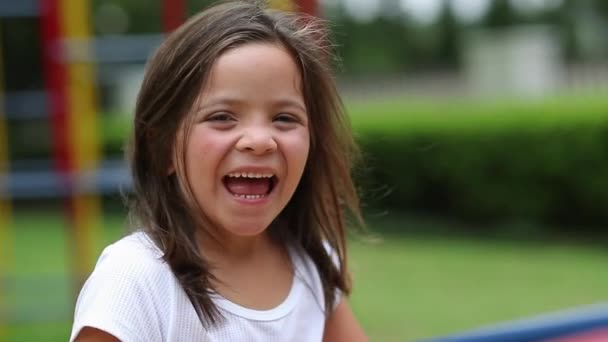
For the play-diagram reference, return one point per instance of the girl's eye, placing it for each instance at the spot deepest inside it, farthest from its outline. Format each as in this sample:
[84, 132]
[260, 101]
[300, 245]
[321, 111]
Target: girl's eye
[220, 117]
[286, 118]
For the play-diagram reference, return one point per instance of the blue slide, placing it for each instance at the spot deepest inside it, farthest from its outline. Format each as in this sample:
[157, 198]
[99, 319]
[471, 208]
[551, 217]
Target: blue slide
[586, 324]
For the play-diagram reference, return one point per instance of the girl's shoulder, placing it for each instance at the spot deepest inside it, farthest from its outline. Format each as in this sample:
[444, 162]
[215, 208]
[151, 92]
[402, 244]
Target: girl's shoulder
[134, 256]
[137, 247]
[302, 260]
[122, 294]
[307, 271]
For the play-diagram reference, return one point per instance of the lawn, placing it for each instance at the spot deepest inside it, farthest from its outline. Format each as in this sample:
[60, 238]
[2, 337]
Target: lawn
[407, 286]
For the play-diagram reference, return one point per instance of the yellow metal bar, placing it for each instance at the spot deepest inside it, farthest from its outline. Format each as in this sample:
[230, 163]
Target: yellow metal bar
[83, 127]
[81, 85]
[284, 5]
[86, 220]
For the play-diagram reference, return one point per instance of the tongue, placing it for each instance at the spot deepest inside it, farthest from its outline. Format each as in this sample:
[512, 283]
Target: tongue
[248, 186]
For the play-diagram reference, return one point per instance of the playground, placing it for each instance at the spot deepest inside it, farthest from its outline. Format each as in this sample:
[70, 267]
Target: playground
[417, 277]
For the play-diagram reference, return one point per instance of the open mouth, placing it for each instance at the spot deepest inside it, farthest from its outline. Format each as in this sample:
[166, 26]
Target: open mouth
[250, 185]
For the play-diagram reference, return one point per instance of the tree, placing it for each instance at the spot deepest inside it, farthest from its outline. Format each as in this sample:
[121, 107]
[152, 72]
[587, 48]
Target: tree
[449, 36]
[500, 14]
[567, 22]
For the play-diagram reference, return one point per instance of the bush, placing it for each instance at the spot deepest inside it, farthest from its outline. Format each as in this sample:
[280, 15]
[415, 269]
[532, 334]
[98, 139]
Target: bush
[546, 162]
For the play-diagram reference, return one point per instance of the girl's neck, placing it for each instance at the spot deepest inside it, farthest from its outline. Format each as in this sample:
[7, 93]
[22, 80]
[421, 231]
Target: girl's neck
[230, 247]
[255, 272]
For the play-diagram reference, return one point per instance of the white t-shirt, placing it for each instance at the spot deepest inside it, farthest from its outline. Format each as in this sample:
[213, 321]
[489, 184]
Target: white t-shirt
[133, 295]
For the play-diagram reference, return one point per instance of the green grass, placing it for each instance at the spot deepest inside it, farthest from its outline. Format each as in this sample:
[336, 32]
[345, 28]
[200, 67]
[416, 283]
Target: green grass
[406, 286]
[414, 287]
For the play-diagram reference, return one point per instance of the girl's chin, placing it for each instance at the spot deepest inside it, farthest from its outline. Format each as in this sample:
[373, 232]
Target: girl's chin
[246, 229]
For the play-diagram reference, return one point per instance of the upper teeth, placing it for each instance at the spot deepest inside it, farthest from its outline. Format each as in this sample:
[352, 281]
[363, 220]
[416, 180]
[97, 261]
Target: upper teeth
[250, 175]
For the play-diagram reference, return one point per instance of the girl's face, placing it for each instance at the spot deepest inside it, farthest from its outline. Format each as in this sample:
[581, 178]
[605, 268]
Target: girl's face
[250, 139]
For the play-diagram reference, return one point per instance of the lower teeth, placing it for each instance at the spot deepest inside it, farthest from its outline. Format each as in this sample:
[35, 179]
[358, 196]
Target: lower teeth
[249, 196]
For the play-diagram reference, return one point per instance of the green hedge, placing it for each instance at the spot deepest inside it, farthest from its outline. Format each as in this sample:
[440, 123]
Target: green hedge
[544, 162]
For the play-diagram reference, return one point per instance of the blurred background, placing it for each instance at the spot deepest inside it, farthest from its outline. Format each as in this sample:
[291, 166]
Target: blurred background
[483, 123]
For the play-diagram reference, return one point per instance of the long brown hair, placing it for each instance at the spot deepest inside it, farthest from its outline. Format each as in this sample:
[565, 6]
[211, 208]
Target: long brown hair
[315, 217]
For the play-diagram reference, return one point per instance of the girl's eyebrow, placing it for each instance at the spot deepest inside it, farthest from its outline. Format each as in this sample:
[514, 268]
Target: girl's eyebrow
[220, 101]
[289, 102]
[229, 101]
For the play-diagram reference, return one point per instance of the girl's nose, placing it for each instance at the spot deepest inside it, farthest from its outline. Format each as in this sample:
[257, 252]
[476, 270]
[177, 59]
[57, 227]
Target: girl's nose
[257, 140]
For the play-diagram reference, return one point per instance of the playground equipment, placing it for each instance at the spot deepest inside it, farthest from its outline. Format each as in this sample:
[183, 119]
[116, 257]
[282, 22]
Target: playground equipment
[586, 324]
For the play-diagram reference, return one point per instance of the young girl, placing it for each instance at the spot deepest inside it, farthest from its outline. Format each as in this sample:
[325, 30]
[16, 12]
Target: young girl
[241, 159]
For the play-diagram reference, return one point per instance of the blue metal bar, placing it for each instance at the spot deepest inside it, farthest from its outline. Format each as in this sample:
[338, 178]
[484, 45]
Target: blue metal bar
[26, 105]
[111, 49]
[111, 178]
[126, 49]
[19, 8]
[538, 328]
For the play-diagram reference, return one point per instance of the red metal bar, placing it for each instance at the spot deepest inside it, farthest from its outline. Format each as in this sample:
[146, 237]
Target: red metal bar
[55, 84]
[55, 78]
[173, 14]
[308, 6]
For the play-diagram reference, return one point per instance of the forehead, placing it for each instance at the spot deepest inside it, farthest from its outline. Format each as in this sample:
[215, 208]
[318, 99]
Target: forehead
[264, 69]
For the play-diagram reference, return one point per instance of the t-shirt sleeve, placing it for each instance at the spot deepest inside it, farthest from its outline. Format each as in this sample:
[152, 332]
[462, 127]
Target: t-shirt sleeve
[117, 298]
